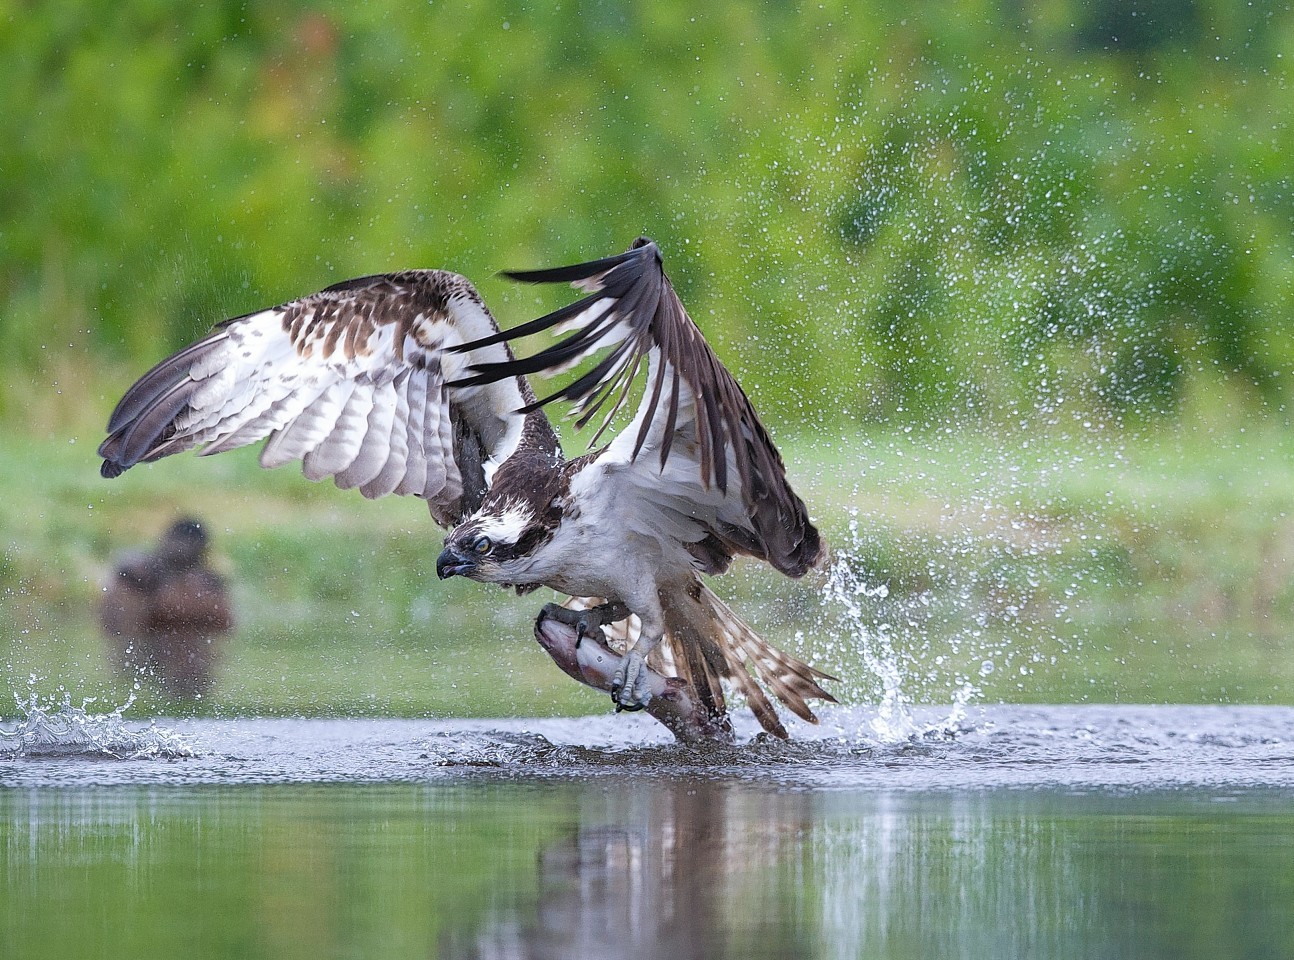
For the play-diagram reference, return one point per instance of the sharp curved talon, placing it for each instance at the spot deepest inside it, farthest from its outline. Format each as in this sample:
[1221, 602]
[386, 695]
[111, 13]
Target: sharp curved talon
[630, 689]
[588, 621]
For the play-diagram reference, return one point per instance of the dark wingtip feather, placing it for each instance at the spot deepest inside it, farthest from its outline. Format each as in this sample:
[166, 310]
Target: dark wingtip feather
[574, 272]
[526, 329]
[145, 415]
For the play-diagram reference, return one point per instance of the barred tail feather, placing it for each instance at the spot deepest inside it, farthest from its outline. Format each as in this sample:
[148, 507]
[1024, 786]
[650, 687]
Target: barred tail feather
[703, 628]
[706, 643]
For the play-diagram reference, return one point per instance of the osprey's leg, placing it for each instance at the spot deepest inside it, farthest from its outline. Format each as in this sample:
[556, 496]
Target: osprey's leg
[630, 687]
[586, 622]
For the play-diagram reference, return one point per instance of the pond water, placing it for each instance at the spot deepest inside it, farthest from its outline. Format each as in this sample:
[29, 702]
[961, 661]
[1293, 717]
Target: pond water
[1006, 832]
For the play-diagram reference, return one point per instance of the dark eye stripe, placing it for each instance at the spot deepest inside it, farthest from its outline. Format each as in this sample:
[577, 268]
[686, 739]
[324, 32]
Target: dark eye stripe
[530, 541]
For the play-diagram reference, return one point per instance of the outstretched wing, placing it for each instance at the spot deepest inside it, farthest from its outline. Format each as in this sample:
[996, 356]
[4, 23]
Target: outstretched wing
[693, 414]
[352, 381]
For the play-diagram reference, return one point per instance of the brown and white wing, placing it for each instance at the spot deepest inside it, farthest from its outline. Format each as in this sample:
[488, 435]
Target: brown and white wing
[352, 381]
[712, 463]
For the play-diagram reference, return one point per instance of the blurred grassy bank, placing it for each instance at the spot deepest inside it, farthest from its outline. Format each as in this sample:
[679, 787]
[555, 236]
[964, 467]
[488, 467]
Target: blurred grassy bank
[1063, 568]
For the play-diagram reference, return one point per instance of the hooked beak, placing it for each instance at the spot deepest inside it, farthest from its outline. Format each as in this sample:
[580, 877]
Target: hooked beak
[451, 563]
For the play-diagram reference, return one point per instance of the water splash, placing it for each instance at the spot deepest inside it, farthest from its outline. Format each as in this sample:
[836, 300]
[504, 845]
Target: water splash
[53, 726]
[851, 595]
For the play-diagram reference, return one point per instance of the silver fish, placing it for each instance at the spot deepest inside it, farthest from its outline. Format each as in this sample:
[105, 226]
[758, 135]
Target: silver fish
[592, 661]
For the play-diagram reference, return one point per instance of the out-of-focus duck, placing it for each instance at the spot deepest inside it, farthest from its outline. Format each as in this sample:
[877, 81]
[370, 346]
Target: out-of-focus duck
[165, 612]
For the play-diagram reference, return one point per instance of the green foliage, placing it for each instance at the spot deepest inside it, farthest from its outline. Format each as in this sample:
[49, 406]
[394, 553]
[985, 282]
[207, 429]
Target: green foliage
[875, 210]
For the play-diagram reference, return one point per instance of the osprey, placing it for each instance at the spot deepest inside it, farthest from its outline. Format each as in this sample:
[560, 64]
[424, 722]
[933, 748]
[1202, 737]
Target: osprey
[403, 383]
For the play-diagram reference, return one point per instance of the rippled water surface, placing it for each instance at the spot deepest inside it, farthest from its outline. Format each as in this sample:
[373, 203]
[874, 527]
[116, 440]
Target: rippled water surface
[1011, 831]
[1057, 747]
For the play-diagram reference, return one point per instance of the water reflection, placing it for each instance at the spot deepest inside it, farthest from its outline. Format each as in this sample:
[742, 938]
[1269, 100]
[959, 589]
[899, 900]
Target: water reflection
[677, 869]
[714, 870]
[689, 869]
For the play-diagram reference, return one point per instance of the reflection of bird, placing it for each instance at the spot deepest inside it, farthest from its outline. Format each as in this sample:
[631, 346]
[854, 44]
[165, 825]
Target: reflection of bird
[686, 869]
[163, 612]
[402, 383]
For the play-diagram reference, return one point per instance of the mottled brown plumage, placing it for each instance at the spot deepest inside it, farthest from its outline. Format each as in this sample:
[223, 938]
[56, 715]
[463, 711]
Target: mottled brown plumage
[351, 381]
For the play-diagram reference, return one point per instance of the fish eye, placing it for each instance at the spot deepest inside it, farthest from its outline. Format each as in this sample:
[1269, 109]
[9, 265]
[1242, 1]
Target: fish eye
[482, 546]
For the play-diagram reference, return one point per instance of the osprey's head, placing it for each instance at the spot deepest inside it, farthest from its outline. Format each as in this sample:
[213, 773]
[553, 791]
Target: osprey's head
[496, 544]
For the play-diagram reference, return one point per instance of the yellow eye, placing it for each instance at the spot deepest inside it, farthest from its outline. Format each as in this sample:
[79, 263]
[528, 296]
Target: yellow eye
[482, 546]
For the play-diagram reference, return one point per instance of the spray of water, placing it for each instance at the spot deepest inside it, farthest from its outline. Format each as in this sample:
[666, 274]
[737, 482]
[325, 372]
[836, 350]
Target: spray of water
[933, 602]
[991, 330]
[850, 620]
[54, 726]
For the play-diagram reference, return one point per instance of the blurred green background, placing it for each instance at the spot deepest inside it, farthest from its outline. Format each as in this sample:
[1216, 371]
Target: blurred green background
[1009, 281]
